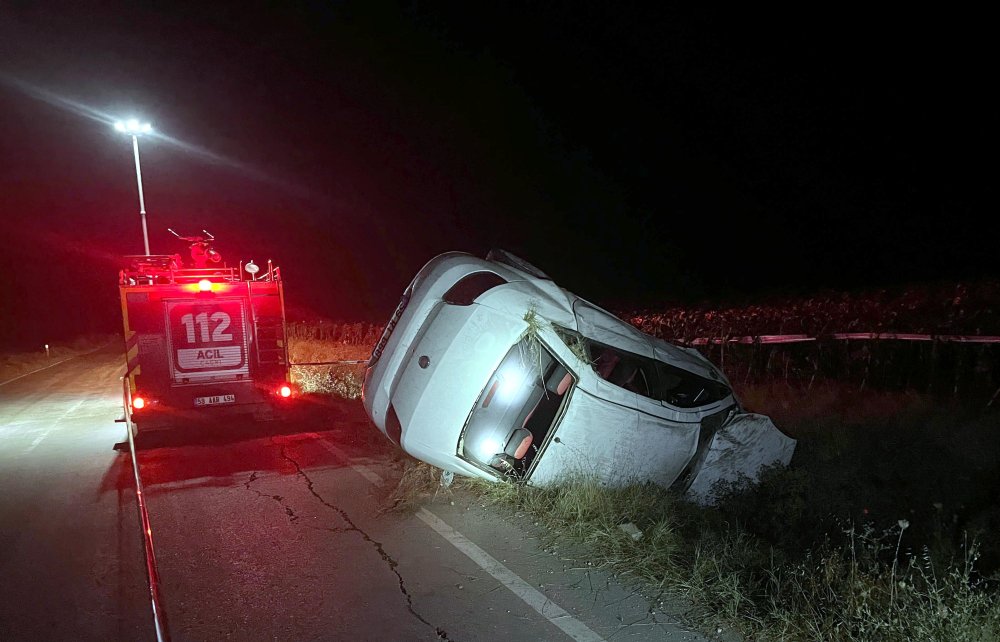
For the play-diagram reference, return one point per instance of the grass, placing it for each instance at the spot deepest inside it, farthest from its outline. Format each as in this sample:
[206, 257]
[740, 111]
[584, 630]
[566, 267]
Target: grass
[20, 363]
[850, 587]
[340, 380]
[867, 456]
[418, 483]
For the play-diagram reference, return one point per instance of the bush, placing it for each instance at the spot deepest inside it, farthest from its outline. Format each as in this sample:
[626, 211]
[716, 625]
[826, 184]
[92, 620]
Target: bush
[341, 381]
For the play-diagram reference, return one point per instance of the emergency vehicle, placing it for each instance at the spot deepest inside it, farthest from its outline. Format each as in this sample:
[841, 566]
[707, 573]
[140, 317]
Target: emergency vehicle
[203, 340]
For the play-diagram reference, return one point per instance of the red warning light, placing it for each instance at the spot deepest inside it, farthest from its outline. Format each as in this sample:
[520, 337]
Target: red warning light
[285, 391]
[138, 403]
[205, 285]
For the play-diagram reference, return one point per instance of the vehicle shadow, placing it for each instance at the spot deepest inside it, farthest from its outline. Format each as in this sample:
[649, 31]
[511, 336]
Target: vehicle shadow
[323, 431]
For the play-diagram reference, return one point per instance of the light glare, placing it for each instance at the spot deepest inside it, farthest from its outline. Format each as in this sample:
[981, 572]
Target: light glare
[133, 126]
[511, 382]
[487, 448]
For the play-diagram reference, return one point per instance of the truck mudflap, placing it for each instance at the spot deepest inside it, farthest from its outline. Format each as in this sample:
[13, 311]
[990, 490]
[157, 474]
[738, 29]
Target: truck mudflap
[738, 450]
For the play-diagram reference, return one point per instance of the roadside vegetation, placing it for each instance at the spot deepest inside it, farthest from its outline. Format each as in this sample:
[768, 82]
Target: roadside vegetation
[885, 527]
[326, 342]
[969, 372]
[19, 363]
[935, 308]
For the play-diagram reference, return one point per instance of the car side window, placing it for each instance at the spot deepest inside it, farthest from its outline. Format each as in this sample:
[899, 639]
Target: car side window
[650, 378]
[684, 389]
[623, 369]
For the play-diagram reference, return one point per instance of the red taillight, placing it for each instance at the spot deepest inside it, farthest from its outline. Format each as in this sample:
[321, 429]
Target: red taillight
[138, 403]
[205, 285]
[285, 391]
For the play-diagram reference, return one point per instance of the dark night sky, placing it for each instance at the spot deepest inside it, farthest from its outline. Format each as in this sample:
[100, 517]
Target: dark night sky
[640, 156]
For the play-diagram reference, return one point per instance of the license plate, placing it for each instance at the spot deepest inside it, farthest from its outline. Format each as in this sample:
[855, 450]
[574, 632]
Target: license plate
[214, 401]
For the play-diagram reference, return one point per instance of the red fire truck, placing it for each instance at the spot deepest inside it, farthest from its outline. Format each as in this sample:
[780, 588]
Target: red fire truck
[204, 341]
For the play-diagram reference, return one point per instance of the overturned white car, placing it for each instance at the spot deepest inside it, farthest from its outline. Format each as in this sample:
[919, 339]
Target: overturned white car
[488, 369]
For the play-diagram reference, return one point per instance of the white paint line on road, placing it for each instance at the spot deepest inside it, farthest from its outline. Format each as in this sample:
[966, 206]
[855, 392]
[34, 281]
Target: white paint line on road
[51, 365]
[53, 426]
[361, 469]
[16, 428]
[531, 596]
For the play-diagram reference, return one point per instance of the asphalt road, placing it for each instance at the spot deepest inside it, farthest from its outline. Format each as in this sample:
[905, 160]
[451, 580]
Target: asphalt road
[275, 531]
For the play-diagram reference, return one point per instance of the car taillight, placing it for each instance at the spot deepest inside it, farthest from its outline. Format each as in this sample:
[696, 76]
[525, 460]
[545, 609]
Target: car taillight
[138, 403]
[285, 391]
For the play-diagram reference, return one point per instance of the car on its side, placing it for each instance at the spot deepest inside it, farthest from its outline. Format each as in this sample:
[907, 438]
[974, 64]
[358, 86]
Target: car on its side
[489, 369]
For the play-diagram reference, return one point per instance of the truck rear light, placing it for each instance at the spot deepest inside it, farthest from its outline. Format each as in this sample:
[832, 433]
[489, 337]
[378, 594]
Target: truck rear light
[285, 391]
[205, 285]
[138, 403]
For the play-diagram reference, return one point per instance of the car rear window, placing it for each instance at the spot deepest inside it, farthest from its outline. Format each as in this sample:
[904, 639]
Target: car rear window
[471, 286]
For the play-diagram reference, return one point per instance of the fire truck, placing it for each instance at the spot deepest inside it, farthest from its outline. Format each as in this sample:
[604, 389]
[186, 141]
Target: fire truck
[203, 341]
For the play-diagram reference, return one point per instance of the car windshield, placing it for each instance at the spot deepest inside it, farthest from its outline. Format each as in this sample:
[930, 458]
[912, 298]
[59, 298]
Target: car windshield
[516, 409]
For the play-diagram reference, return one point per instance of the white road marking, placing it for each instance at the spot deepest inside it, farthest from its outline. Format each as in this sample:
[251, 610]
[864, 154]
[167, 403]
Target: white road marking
[361, 469]
[531, 596]
[52, 365]
[534, 598]
[16, 428]
[52, 426]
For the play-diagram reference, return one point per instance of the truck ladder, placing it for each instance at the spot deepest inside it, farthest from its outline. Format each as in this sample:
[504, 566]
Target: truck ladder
[271, 346]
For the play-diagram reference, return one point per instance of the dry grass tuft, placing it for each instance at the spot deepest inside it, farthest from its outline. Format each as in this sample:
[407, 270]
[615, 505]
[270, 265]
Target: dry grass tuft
[419, 483]
[341, 380]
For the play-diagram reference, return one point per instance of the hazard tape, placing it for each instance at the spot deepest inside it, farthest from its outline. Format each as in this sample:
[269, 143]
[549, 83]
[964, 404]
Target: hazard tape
[844, 336]
[764, 338]
[345, 362]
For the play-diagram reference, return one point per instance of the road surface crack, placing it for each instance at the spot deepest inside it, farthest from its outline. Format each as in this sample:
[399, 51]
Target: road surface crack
[278, 498]
[388, 559]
